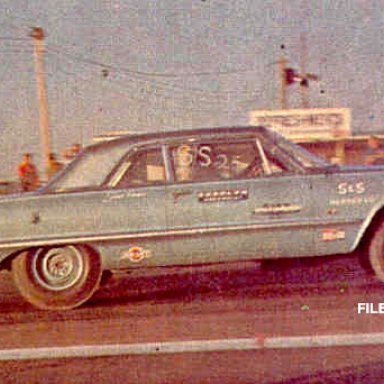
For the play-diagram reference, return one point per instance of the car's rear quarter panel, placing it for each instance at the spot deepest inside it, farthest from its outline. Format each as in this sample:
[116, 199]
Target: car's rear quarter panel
[344, 204]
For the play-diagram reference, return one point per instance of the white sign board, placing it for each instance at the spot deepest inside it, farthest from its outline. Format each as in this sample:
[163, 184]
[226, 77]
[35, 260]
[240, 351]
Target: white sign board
[304, 124]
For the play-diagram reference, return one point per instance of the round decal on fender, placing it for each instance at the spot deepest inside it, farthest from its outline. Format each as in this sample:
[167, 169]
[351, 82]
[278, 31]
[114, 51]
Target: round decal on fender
[136, 254]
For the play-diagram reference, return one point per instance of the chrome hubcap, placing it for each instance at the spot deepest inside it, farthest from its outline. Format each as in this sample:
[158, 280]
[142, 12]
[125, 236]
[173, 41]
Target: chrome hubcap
[57, 269]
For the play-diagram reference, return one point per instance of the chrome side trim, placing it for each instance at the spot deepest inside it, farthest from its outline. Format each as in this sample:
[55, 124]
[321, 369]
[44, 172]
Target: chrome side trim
[174, 232]
[283, 208]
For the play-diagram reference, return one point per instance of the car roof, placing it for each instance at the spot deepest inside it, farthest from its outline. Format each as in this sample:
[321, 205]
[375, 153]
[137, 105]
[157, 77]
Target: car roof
[187, 133]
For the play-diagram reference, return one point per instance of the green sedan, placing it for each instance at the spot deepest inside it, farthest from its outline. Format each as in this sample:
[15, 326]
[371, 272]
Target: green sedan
[185, 198]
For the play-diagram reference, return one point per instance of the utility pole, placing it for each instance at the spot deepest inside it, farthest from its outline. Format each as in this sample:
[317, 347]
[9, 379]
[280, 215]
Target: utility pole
[283, 83]
[303, 60]
[38, 35]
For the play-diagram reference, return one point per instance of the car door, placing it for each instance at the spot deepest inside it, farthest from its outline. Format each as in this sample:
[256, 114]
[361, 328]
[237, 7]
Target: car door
[281, 210]
[187, 224]
[281, 200]
[134, 203]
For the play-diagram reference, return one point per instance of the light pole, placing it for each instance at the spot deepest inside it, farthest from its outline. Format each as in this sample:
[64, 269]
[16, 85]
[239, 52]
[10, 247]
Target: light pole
[38, 35]
[303, 61]
[283, 83]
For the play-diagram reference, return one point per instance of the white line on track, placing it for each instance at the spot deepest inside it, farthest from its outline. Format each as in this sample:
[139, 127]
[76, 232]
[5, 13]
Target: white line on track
[257, 343]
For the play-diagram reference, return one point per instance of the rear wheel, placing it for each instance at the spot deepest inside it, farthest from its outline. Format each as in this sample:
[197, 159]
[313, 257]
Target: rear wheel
[376, 252]
[57, 278]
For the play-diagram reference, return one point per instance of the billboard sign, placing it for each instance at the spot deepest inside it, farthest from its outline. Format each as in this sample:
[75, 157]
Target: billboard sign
[306, 124]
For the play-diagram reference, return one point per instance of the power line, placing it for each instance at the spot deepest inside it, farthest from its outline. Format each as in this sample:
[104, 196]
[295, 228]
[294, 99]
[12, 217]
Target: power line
[13, 38]
[168, 97]
[149, 74]
[157, 86]
[160, 85]
[151, 104]
[154, 82]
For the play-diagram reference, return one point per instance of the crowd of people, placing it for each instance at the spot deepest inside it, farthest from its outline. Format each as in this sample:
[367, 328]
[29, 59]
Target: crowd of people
[29, 175]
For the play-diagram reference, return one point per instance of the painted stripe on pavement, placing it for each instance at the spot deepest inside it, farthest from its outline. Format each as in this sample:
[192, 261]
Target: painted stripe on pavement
[259, 342]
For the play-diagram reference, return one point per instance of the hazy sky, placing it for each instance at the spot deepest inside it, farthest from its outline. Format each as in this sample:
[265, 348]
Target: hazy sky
[142, 65]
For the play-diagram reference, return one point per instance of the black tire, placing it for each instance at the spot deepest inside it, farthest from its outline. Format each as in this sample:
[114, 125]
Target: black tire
[57, 278]
[376, 252]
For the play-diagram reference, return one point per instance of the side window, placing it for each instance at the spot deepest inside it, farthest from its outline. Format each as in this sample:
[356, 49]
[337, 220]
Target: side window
[275, 165]
[145, 167]
[216, 161]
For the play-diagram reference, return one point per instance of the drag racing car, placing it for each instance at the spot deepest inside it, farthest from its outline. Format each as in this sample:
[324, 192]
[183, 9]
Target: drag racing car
[191, 197]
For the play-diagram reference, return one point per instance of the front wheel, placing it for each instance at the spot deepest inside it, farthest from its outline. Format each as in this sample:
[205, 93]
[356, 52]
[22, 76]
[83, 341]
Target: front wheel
[376, 252]
[57, 278]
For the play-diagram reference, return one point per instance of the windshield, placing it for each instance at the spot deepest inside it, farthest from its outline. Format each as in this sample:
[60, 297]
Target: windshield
[301, 155]
[90, 169]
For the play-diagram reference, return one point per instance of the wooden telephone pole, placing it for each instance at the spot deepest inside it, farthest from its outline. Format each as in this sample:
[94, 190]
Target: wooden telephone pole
[38, 35]
[283, 85]
[303, 61]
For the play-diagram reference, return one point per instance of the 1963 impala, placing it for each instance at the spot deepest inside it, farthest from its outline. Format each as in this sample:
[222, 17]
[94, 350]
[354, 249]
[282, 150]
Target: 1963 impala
[182, 198]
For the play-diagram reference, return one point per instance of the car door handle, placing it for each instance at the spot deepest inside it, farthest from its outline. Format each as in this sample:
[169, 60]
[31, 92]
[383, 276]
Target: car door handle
[277, 208]
[177, 194]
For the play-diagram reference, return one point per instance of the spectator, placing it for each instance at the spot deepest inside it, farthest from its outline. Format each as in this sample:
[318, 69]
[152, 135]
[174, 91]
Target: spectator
[374, 154]
[54, 166]
[70, 153]
[27, 172]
